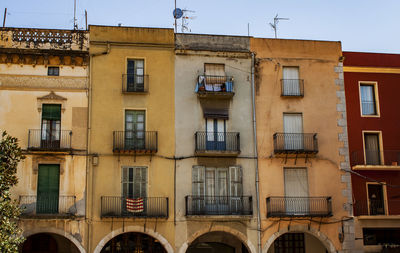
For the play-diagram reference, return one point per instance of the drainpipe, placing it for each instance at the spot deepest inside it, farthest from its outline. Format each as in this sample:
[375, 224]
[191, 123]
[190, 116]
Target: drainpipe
[89, 170]
[256, 154]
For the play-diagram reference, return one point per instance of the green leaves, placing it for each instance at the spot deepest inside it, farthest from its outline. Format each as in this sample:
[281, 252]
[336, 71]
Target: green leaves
[10, 156]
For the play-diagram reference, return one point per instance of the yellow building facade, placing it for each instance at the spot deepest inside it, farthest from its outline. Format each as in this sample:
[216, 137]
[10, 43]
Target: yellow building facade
[43, 102]
[305, 197]
[131, 139]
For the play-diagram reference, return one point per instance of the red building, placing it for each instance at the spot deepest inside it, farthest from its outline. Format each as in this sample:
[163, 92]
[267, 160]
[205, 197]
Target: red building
[372, 88]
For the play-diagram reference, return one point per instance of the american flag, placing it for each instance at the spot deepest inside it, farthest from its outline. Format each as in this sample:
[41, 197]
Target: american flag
[134, 205]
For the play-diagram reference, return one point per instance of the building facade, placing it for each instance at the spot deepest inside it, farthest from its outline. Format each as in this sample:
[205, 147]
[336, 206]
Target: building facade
[215, 167]
[43, 102]
[371, 82]
[305, 196]
[131, 140]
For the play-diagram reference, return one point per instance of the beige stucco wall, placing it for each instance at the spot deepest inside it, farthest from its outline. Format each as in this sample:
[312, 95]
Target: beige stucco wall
[317, 62]
[193, 51]
[108, 104]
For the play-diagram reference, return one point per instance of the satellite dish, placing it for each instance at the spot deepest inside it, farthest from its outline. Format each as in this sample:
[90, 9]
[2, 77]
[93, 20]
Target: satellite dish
[178, 13]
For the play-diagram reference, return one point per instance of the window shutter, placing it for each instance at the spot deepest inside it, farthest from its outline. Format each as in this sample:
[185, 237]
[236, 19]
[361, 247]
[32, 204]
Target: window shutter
[51, 112]
[125, 182]
[236, 181]
[140, 182]
[198, 180]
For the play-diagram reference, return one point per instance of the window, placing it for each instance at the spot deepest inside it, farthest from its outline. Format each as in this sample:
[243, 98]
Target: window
[135, 129]
[290, 243]
[135, 75]
[372, 149]
[296, 191]
[53, 71]
[293, 129]
[134, 182]
[216, 134]
[376, 199]
[291, 84]
[215, 77]
[48, 188]
[368, 98]
[380, 236]
[51, 125]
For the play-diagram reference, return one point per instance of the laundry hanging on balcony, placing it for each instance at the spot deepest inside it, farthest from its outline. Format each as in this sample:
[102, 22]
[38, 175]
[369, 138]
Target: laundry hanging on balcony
[134, 205]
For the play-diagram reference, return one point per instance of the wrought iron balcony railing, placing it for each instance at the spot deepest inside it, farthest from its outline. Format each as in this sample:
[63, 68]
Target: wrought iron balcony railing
[299, 206]
[217, 142]
[135, 83]
[292, 87]
[214, 85]
[44, 140]
[295, 143]
[375, 157]
[51, 204]
[372, 207]
[219, 205]
[116, 206]
[135, 141]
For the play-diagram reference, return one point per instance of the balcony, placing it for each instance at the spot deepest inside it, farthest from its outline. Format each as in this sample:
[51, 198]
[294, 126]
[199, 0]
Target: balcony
[122, 207]
[295, 143]
[375, 158]
[215, 87]
[218, 205]
[135, 142]
[292, 87]
[135, 84]
[53, 141]
[47, 206]
[217, 143]
[299, 206]
[375, 207]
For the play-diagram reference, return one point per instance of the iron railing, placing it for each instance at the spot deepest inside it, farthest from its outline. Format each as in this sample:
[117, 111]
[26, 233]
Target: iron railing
[375, 157]
[220, 84]
[217, 141]
[138, 141]
[116, 206]
[135, 83]
[369, 207]
[299, 206]
[51, 204]
[219, 205]
[292, 87]
[49, 140]
[295, 143]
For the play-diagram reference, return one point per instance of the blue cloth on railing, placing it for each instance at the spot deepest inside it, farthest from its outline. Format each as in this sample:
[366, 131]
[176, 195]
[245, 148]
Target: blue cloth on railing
[229, 86]
[197, 87]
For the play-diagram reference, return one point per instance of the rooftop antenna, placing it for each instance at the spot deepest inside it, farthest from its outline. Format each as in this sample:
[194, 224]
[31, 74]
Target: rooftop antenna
[275, 24]
[178, 13]
[75, 23]
[185, 20]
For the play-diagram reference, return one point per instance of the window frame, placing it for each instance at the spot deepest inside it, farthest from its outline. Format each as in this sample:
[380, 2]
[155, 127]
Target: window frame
[381, 154]
[127, 182]
[125, 72]
[384, 192]
[376, 97]
[53, 67]
[301, 93]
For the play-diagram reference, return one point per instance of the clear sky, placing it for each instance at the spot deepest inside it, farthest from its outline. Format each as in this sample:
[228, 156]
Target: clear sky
[361, 25]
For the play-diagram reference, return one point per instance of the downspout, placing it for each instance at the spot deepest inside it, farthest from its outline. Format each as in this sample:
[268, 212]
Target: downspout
[89, 174]
[256, 154]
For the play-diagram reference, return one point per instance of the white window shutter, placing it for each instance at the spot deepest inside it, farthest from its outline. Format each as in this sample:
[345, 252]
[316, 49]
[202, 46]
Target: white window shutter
[236, 180]
[198, 180]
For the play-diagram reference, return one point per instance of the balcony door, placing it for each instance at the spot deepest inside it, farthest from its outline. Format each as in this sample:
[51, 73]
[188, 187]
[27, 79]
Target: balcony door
[376, 199]
[135, 129]
[134, 190]
[296, 191]
[216, 135]
[217, 190]
[293, 129]
[51, 126]
[372, 150]
[291, 83]
[135, 75]
[48, 189]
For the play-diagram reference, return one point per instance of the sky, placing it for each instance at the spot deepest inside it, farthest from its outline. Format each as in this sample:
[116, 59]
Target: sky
[361, 25]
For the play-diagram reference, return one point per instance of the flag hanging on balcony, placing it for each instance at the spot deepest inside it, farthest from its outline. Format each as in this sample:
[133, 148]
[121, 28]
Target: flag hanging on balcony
[134, 205]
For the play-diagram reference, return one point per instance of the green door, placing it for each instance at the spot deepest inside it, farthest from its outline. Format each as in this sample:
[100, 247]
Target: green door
[48, 188]
[134, 129]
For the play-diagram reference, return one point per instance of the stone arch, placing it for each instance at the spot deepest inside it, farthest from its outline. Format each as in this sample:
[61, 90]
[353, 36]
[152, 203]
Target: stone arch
[301, 228]
[218, 228]
[60, 232]
[138, 229]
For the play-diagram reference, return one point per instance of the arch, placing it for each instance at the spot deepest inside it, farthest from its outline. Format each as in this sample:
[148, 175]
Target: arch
[218, 228]
[137, 229]
[304, 229]
[60, 232]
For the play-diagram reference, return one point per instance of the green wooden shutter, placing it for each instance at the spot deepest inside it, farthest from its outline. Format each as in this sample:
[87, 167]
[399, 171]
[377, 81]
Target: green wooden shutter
[48, 188]
[51, 112]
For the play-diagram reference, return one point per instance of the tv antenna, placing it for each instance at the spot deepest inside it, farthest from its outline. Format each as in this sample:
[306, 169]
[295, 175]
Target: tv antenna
[75, 20]
[185, 20]
[275, 24]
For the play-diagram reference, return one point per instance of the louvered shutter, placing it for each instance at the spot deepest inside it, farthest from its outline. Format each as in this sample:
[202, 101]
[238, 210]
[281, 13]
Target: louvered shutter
[198, 180]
